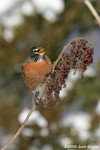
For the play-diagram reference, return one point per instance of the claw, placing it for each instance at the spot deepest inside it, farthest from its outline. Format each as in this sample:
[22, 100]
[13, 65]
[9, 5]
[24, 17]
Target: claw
[35, 98]
[37, 101]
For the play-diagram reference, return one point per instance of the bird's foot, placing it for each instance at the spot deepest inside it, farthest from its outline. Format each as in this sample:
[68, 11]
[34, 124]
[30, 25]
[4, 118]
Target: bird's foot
[35, 98]
[37, 101]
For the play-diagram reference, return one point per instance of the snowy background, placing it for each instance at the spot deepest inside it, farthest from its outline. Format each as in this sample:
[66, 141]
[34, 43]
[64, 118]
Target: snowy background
[78, 120]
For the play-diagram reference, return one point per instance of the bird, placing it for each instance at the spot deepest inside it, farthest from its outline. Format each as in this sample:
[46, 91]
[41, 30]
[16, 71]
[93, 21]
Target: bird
[35, 69]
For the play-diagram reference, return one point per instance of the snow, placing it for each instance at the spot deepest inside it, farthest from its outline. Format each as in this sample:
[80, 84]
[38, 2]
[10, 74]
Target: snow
[27, 132]
[64, 141]
[41, 121]
[63, 93]
[12, 20]
[49, 8]
[47, 147]
[8, 34]
[27, 8]
[49, 15]
[98, 108]
[5, 5]
[36, 118]
[90, 72]
[44, 132]
[72, 78]
[56, 6]
[80, 121]
[12, 11]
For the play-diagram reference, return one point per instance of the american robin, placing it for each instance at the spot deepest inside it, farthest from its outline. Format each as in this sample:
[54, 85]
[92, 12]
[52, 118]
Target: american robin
[35, 69]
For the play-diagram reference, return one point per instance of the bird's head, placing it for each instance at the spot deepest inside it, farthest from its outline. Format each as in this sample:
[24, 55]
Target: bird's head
[37, 51]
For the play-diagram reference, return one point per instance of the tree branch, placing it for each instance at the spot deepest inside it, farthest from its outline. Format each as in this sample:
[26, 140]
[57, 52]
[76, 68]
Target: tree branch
[40, 94]
[20, 129]
[65, 48]
[93, 11]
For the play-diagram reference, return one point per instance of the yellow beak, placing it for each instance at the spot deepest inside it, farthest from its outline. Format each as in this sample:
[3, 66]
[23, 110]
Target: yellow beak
[42, 51]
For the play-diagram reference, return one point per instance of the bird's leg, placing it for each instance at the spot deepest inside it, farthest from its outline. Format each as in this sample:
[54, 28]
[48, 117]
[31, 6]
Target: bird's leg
[36, 94]
[39, 94]
[35, 98]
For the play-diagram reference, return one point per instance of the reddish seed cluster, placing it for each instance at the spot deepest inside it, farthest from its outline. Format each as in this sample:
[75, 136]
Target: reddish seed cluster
[80, 55]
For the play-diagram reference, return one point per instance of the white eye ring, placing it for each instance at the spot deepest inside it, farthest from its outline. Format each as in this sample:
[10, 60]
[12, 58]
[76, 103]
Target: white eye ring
[36, 50]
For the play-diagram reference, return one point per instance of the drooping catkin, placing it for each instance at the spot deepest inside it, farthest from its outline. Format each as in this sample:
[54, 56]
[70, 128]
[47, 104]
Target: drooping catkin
[78, 55]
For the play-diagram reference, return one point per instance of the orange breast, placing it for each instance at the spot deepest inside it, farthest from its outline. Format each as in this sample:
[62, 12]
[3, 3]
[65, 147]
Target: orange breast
[35, 73]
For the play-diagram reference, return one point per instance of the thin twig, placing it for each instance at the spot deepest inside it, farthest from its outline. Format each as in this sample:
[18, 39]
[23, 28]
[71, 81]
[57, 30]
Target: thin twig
[93, 11]
[20, 129]
[64, 49]
[26, 119]
[39, 96]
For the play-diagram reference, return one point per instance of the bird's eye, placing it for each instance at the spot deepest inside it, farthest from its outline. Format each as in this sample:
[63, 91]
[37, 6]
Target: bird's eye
[36, 50]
